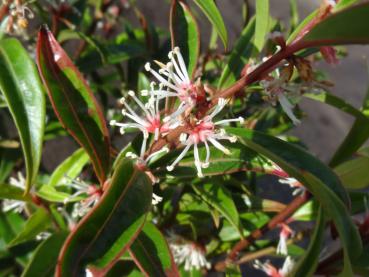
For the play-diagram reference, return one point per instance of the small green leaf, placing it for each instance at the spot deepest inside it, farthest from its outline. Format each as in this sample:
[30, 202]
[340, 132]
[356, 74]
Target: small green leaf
[73, 102]
[262, 23]
[186, 35]
[22, 88]
[315, 176]
[354, 174]
[50, 193]
[70, 168]
[152, 254]
[357, 136]
[239, 56]
[347, 26]
[12, 192]
[43, 262]
[110, 228]
[307, 264]
[220, 199]
[209, 8]
[37, 223]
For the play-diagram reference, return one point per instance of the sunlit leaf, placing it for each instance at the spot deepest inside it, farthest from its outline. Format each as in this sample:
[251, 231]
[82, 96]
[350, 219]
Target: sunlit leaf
[110, 228]
[73, 102]
[21, 86]
[262, 23]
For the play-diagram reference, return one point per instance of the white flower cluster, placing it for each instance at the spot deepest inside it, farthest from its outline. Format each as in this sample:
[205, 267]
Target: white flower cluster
[17, 206]
[187, 253]
[18, 16]
[270, 270]
[174, 82]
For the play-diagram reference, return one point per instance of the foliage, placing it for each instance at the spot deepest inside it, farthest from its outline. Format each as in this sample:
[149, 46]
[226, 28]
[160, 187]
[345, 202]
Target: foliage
[203, 129]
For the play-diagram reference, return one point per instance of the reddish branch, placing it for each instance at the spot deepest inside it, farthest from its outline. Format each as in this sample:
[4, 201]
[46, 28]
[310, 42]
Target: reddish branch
[277, 219]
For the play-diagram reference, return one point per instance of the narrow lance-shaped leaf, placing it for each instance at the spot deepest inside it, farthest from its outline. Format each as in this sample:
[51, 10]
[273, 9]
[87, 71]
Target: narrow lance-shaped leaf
[317, 178]
[22, 88]
[151, 253]
[262, 22]
[109, 228]
[347, 26]
[357, 136]
[220, 198]
[239, 56]
[211, 11]
[73, 101]
[307, 264]
[185, 34]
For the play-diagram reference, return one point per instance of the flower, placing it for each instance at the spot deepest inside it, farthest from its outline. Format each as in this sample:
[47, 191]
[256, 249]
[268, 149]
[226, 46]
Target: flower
[15, 205]
[285, 233]
[270, 270]
[187, 253]
[149, 123]
[277, 88]
[18, 16]
[205, 131]
[175, 82]
[294, 184]
[93, 193]
[156, 199]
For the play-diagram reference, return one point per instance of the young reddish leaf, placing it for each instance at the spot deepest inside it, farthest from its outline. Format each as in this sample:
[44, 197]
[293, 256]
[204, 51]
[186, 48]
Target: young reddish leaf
[185, 34]
[110, 228]
[73, 101]
[151, 253]
[23, 92]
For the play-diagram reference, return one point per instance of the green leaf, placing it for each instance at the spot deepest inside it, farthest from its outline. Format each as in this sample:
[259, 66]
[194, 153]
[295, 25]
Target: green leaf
[295, 159]
[12, 192]
[307, 265]
[37, 223]
[73, 102]
[241, 158]
[354, 174]
[110, 228]
[151, 253]
[338, 103]
[186, 35]
[344, 4]
[217, 196]
[70, 168]
[21, 86]
[262, 23]
[314, 175]
[43, 262]
[50, 193]
[357, 136]
[239, 56]
[209, 8]
[347, 26]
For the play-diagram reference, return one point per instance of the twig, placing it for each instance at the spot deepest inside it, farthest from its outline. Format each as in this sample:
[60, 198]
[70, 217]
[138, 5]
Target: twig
[277, 219]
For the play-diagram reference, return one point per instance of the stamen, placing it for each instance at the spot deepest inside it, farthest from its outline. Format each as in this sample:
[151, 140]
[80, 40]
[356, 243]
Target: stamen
[180, 157]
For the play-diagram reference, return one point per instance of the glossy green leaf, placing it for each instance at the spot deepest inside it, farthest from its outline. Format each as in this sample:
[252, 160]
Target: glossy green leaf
[308, 263]
[12, 192]
[21, 86]
[211, 11]
[354, 174]
[314, 175]
[69, 169]
[357, 136]
[296, 159]
[347, 26]
[262, 23]
[51, 194]
[43, 261]
[36, 223]
[110, 228]
[151, 253]
[241, 158]
[73, 102]
[239, 56]
[217, 196]
[338, 103]
[186, 35]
